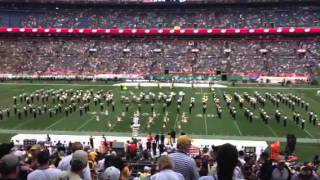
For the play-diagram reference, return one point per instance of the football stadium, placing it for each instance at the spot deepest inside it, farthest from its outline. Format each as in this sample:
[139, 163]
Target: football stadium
[159, 89]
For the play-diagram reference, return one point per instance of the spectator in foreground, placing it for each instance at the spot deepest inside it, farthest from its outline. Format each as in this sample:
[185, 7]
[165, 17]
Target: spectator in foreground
[111, 173]
[306, 173]
[33, 161]
[44, 171]
[281, 170]
[64, 164]
[165, 166]
[227, 161]
[182, 162]
[78, 162]
[265, 166]
[9, 169]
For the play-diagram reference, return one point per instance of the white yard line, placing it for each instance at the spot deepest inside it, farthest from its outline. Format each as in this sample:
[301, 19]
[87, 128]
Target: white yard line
[308, 133]
[237, 126]
[273, 132]
[84, 124]
[55, 123]
[175, 122]
[205, 117]
[22, 124]
[205, 123]
[234, 121]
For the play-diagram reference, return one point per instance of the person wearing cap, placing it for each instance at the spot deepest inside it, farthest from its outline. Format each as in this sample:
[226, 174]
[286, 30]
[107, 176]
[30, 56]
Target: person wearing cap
[146, 174]
[111, 173]
[183, 163]
[78, 163]
[64, 164]
[306, 173]
[9, 167]
[165, 167]
[44, 171]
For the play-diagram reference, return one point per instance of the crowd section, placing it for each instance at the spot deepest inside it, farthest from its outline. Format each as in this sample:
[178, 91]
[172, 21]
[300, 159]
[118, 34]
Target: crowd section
[146, 18]
[89, 56]
[158, 159]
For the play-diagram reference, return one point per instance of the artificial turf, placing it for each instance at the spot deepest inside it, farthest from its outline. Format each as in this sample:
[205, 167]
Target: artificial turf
[198, 123]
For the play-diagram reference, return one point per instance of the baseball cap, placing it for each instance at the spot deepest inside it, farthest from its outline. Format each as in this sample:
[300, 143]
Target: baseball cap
[81, 156]
[111, 173]
[8, 162]
[183, 141]
[147, 168]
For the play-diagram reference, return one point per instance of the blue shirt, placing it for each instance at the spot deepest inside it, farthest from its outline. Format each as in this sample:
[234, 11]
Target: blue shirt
[185, 165]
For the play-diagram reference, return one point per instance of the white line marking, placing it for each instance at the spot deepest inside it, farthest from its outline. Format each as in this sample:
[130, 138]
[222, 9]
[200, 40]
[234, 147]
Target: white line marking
[58, 121]
[308, 133]
[273, 132]
[84, 124]
[175, 122]
[205, 124]
[22, 124]
[237, 126]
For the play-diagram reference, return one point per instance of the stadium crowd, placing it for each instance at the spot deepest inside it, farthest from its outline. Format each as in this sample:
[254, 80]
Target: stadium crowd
[91, 56]
[138, 17]
[83, 161]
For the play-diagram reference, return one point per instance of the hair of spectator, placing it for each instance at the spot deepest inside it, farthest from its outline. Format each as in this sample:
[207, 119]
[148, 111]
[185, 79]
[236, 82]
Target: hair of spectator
[77, 165]
[43, 157]
[76, 146]
[4, 170]
[164, 162]
[227, 159]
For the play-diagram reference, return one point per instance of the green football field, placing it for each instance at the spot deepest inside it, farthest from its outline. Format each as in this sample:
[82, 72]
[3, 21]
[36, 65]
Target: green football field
[199, 124]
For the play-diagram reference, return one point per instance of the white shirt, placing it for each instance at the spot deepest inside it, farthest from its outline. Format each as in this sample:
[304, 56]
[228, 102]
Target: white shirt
[47, 174]
[64, 165]
[167, 174]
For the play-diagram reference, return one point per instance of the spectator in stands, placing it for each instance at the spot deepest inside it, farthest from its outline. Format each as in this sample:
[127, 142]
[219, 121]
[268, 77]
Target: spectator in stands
[182, 162]
[44, 171]
[78, 162]
[281, 170]
[9, 167]
[111, 173]
[264, 166]
[241, 157]
[306, 173]
[227, 164]
[212, 164]
[65, 164]
[248, 168]
[126, 172]
[33, 158]
[145, 175]
[165, 167]
[5, 149]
